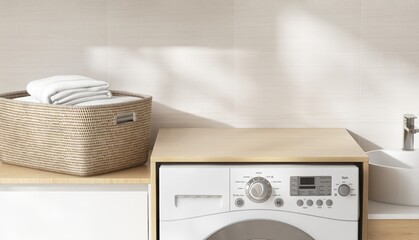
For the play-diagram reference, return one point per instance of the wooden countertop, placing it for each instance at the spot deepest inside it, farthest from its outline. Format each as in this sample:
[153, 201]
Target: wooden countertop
[11, 174]
[256, 145]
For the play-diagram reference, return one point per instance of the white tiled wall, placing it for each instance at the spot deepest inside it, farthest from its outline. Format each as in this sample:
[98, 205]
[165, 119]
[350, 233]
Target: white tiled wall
[231, 63]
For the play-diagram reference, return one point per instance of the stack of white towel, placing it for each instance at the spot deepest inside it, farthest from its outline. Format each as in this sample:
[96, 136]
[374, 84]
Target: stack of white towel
[72, 90]
[68, 90]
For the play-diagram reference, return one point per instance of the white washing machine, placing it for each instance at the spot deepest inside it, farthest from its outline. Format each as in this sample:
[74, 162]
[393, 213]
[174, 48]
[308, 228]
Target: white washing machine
[258, 202]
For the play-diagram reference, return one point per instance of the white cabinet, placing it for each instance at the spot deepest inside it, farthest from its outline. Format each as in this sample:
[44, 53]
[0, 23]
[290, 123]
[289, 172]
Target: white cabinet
[69, 212]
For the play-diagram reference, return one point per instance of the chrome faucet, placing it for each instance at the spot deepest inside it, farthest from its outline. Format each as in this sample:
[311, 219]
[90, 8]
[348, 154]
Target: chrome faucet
[408, 132]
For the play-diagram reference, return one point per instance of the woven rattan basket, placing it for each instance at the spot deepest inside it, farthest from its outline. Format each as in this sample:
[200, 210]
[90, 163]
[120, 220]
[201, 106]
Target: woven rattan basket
[76, 140]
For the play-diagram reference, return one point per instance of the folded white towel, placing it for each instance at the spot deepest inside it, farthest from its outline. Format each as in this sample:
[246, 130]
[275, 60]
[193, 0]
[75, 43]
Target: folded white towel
[113, 100]
[27, 99]
[81, 97]
[68, 89]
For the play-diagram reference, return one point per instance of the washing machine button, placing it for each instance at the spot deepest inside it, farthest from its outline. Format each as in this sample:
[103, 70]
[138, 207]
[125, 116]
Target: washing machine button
[258, 190]
[344, 190]
[309, 203]
[300, 203]
[319, 203]
[239, 202]
[329, 202]
[279, 202]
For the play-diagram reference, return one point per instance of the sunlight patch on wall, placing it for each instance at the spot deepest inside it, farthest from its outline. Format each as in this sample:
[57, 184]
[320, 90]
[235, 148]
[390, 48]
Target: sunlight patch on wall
[195, 80]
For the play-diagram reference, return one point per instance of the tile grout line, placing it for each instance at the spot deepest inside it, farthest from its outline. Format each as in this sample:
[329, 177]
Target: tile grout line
[361, 50]
[234, 61]
[107, 42]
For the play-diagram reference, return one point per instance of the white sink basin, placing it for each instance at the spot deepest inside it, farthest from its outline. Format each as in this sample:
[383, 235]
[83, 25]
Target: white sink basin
[394, 177]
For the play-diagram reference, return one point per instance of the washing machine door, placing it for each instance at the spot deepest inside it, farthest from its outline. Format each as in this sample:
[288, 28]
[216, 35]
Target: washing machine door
[260, 230]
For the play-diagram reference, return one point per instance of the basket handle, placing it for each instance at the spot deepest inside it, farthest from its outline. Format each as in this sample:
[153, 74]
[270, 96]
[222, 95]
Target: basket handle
[125, 117]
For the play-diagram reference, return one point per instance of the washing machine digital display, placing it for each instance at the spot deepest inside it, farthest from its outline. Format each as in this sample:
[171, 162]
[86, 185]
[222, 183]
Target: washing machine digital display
[311, 186]
[307, 181]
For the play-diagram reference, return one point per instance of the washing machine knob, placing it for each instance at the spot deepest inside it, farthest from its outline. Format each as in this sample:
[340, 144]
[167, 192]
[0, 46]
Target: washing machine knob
[344, 190]
[258, 190]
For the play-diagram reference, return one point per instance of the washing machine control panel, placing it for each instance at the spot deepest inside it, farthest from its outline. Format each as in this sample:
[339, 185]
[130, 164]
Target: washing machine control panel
[311, 185]
[322, 190]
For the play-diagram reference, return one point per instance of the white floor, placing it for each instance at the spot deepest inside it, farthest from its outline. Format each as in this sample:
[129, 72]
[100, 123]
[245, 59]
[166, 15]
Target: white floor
[378, 210]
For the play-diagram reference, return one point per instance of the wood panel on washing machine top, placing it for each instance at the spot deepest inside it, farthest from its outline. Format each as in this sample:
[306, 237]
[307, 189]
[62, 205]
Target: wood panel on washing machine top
[256, 145]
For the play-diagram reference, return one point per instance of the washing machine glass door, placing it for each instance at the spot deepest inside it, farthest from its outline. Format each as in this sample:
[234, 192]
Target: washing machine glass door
[260, 230]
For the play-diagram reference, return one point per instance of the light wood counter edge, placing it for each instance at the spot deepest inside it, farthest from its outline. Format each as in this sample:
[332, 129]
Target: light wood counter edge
[153, 204]
[211, 160]
[11, 174]
[393, 229]
[34, 181]
[364, 217]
